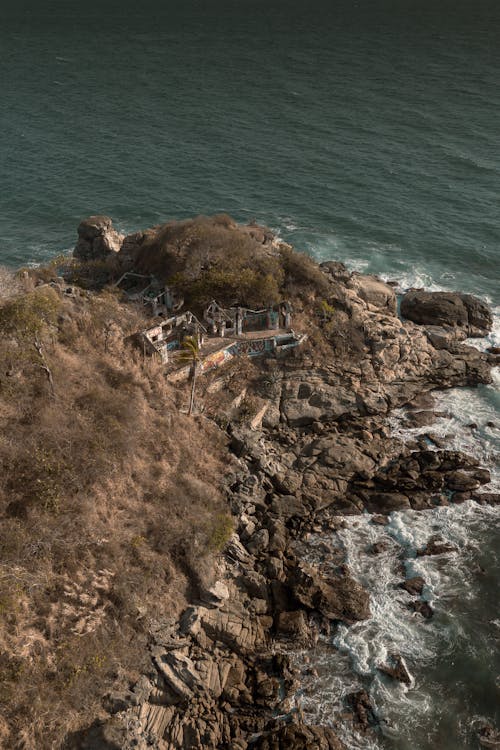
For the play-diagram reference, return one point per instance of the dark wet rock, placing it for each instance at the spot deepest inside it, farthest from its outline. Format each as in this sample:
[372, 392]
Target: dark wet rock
[460, 497]
[336, 270]
[396, 669]
[413, 585]
[462, 481]
[437, 546]
[299, 737]
[387, 502]
[438, 440]
[439, 500]
[482, 475]
[363, 709]
[379, 520]
[489, 737]
[294, 625]
[487, 498]
[448, 309]
[422, 402]
[378, 547]
[423, 608]
[337, 597]
[422, 418]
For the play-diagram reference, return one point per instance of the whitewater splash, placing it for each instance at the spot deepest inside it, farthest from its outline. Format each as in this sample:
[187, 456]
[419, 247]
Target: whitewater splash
[405, 713]
[453, 657]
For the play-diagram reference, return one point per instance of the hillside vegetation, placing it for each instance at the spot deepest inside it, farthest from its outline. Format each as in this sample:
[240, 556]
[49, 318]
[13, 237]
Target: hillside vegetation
[213, 257]
[110, 504]
[111, 495]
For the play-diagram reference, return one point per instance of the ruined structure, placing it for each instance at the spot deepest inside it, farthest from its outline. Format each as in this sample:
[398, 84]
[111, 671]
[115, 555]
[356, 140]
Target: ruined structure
[237, 320]
[159, 298]
[238, 325]
[167, 337]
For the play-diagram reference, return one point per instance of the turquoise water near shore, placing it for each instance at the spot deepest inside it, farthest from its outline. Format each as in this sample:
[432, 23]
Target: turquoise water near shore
[366, 132]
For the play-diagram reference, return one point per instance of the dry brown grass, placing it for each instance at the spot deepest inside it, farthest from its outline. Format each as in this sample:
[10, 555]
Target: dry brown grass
[108, 499]
[9, 284]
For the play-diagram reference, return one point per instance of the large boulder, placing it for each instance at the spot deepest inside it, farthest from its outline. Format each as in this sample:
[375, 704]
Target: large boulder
[337, 597]
[97, 239]
[448, 309]
[375, 292]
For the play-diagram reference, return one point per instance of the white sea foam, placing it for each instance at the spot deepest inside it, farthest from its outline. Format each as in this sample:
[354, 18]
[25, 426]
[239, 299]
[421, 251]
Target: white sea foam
[392, 627]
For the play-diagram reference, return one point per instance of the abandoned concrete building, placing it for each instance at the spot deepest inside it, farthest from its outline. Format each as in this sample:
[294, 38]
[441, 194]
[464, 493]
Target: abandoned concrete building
[166, 337]
[246, 332]
[235, 321]
[160, 299]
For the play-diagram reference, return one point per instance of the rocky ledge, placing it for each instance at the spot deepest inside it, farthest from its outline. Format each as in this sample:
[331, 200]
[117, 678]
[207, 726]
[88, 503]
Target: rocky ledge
[322, 449]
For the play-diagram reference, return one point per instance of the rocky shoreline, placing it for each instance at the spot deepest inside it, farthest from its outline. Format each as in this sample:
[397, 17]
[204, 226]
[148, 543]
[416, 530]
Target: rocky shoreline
[321, 449]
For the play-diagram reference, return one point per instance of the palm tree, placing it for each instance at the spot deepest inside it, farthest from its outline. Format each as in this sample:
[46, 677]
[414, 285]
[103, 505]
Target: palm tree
[191, 353]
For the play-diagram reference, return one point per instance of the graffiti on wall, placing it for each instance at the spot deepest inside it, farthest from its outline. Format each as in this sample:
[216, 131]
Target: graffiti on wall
[216, 359]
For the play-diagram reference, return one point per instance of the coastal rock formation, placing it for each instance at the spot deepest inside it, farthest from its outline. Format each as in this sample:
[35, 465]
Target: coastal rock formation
[414, 585]
[295, 737]
[363, 709]
[97, 239]
[337, 598]
[310, 444]
[397, 669]
[454, 309]
[374, 291]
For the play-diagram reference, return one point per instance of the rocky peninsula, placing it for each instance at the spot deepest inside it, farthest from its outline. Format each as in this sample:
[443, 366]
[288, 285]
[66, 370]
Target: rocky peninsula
[276, 447]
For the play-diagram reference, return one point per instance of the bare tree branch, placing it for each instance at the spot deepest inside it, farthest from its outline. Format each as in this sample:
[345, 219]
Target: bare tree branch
[45, 367]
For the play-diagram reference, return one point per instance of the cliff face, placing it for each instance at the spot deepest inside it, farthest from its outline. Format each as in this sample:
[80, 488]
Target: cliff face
[200, 519]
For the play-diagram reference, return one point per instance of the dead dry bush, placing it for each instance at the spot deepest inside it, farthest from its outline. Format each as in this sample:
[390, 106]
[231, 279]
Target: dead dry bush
[10, 284]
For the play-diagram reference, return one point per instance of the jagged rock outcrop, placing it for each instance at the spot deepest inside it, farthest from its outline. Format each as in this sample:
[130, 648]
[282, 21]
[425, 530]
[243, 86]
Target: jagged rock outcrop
[338, 597]
[397, 669]
[318, 449]
[454, 309]
[375, 292]
[414, 585]
[97, 239]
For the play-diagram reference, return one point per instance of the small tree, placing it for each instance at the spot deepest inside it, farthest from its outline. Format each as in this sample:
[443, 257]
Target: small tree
[191, 353]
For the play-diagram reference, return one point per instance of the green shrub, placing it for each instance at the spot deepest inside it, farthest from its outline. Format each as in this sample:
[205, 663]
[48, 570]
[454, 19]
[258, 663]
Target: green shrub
[220, 532]
[325, 311]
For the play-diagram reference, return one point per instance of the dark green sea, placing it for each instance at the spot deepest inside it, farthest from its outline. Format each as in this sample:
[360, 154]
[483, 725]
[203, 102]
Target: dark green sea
[366, 131]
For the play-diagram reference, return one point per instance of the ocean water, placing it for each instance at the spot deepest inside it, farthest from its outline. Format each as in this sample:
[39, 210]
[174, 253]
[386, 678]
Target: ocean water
[361, 130]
